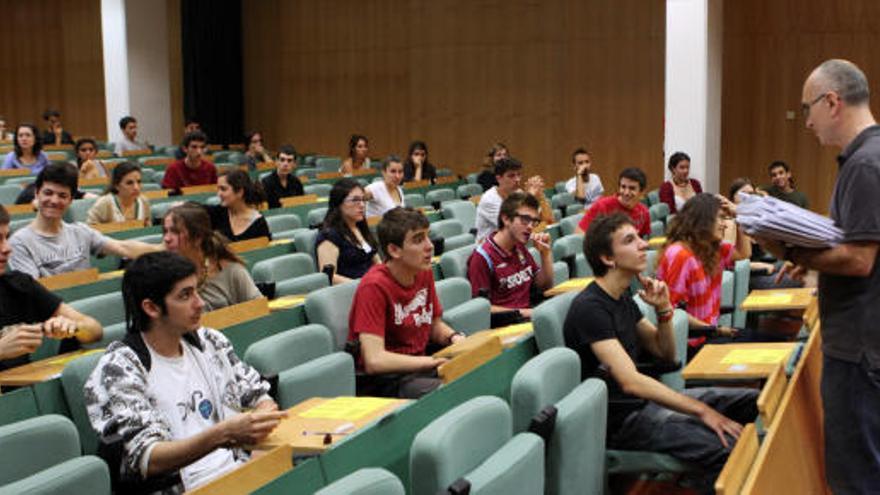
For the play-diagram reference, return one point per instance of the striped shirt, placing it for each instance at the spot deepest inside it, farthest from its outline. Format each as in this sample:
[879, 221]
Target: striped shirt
[683, 273]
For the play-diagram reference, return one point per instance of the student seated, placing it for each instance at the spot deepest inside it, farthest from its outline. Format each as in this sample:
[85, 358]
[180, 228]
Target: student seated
[55, 133]
[486, 178]
[27, 151]
[192, 170]
[255, 152]
[396, 312]
[282, 183]
[48, 245]
[417, 167]
[87, 163]
[123, 200]
[129, 142]
[172, 398]
[630, 187]
[386, 194]
[585, 186]
[503, 267]
[237, 216]
[681, 187]
[29, 312]
[782, 185]
[344, 241]
[508, 173]
[605, 327]
[358, 148]
[223, 278]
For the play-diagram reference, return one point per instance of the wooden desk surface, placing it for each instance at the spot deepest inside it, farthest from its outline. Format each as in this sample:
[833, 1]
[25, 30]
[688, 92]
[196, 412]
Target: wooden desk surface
[737, 361]
[306, 423]
[245, 479]
[509, 336]
[40, 371]
[573, 284]
[778, 299]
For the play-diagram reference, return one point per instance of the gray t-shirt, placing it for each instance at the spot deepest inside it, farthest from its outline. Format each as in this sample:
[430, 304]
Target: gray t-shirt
[41, 255]
[231, 285]
[849, 306]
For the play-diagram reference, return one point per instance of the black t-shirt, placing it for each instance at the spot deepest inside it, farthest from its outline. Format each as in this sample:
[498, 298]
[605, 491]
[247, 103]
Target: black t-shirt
[848, 305]
[48, 138]
[487, 179]
[353, 261]
[24, 300]
[595, 316]
[429, 172]
[220, 222]
[275, 191]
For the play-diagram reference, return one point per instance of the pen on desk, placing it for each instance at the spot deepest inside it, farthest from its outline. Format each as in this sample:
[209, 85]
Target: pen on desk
[342, 429]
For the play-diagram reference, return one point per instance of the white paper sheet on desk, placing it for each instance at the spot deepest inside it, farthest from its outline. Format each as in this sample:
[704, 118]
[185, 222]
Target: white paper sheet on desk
[782, 221]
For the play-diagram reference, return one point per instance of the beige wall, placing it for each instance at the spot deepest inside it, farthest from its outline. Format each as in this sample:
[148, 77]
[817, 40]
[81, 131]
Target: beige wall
[543, 77]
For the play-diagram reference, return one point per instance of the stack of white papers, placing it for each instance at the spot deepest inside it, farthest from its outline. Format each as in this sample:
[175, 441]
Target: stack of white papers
[772, 218]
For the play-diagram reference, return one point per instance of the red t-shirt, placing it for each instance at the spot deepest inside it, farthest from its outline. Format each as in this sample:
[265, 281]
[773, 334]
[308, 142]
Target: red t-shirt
[510, 278]
[403, 316]
[178, 175]
[610, 204]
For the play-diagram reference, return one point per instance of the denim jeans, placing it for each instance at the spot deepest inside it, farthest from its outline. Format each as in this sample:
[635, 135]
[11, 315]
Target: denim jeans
[851, 398]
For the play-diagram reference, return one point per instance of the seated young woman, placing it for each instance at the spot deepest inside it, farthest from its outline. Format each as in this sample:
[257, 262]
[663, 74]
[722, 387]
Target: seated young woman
[417, 167]
[681, 187]
[223, 280]
[122, 201]
[345, 241]
[386, 194]
[87, 159]
[256, 152]
[358, 148]
[237, 216]
[693, 259]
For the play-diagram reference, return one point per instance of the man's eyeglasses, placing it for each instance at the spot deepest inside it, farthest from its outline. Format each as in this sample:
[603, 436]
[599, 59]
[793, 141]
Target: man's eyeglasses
[529, 220]
[805, 107]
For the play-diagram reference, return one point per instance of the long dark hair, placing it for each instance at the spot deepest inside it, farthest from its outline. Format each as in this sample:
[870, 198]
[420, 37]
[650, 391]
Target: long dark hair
[239, 180]
[194, 219]
[694, 225]
[78, 145]
[38, 144]
[353, 142]
[119, 173]
[333, 219]
[413, 147]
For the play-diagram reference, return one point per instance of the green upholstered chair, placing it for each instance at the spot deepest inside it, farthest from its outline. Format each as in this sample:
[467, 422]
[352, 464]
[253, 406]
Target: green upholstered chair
[561, 200]
[304, 241]
[653, 197]
[8, 193]
[415, 200]
[319, 189]
[453, 263]
[42, 456]
[569, 224]
[574, 209]
[316, 217]
[438, 196]
[461, 311]
[73, 379]
[280, 223]
[328, 163]
[659, 211]
[292, 273]
[329, 307]
[658, 229]
[463, 211]
[465, 191]
[575, 449]
[332, 375]
[473, 442]
[366, 481]
[561, 271]
[453, 234]
[79, 210]
[741, 275]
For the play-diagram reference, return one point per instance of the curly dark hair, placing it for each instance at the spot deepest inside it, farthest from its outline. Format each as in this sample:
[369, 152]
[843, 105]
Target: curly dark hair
[694, 226]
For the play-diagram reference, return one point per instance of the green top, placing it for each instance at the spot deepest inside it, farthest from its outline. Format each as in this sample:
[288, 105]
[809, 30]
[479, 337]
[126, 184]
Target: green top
[794, 197]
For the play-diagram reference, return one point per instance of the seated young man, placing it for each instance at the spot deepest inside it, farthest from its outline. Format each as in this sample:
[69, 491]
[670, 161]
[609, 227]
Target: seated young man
[605, 327]
[282, 183]
[630, 187]
[396, 312]
[192, 170]
[508, 173]
[585, 186]
[29, 312]
[502, 264]
[48, 245]
[173, 394]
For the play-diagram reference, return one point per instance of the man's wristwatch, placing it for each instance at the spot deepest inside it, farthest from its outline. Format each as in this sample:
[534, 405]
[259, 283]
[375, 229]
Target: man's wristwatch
[452, 336]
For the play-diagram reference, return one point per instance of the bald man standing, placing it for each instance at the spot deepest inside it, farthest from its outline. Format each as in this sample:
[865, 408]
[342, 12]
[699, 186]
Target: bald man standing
[836, 108]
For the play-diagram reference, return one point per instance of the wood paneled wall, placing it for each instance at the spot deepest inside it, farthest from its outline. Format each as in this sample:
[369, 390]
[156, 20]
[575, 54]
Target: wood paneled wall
[769, 49]
[542, 77]
[52, 57]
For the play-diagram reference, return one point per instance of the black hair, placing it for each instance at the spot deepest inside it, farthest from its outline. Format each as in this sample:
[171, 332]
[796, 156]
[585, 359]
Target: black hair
[780, 163]
[579, 151]
[396, 223]
[514, 202]
[193, 136]
[333, 220]
[124, 121]
[389, 160]
[239, 180]
[38, 144]
[80, 142]
[353, 141]
[191, 120]
[250, 135]
[413, 147]
[505, 164]
[4, 216]
[288, 149]
[599, 240]
[119, 173]
[151, 276]
[634, 174]
[58, 173]
[736, 185]
[676, 157]
[51, 113]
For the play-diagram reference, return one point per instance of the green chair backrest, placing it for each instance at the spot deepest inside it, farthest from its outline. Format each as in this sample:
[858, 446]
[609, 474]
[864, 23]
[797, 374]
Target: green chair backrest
[332, 375]
[548, 319]
[568, 224]
[316, 217]
[272, 355]
[108, 309]
[365, 481]
[8, 193]
[446, 228]
[463, 211]
[73, 379]
[465, 191]
[415, 200]
[659, 211]
[561, 200]
[328, 164]
[439, 195]
[330, 306]
[741, 275]
[32, 445]
[319, 189]
[79, 210]
[283, 267]
[279, 223]
[517, 467]
[453, 291]
[89, 474]
[454, 263]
